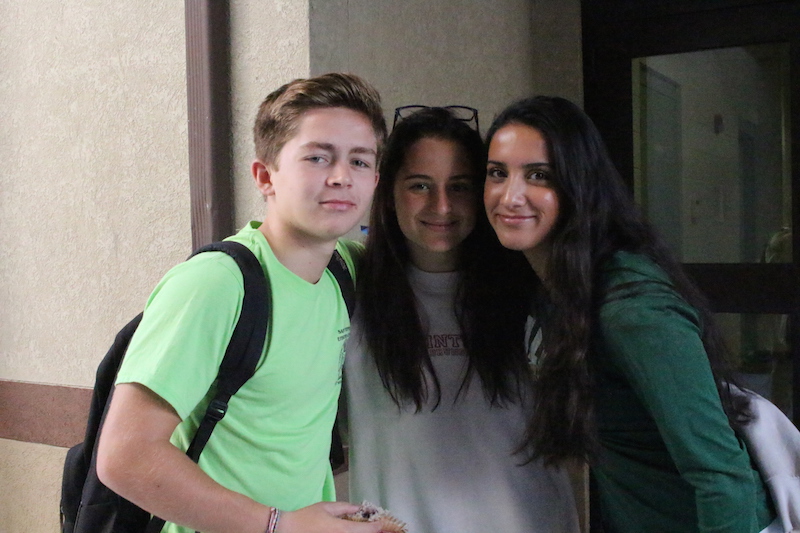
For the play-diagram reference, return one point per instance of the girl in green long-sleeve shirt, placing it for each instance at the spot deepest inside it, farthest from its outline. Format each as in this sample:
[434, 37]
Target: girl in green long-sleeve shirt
[631, 372]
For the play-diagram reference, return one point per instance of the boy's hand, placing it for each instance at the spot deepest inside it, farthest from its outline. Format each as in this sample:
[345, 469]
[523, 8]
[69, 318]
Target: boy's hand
[323, 518]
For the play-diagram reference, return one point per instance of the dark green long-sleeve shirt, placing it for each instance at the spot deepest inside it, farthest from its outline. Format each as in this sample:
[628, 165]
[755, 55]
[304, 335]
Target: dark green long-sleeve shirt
[670, 461]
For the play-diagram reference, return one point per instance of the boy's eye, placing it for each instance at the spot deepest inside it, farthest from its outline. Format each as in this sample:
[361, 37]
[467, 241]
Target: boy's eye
[315, 158]
[360, 163]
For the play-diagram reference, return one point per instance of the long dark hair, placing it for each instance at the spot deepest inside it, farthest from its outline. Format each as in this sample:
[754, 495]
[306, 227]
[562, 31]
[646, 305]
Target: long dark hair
[597, 217]
[490, 309]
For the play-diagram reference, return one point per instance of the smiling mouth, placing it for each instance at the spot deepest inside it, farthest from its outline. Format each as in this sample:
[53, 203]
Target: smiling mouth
[439, 226]
[514, 219]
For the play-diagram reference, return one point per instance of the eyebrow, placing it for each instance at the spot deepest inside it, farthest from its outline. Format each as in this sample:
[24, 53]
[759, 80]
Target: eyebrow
[318, 145]
[529, 166]
[526, 166]
[363, 150]
[458, 177]
[330, 147]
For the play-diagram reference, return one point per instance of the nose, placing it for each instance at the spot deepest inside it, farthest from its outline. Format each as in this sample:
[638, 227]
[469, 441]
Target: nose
[440, 201]
[340, 175]
[513, 192]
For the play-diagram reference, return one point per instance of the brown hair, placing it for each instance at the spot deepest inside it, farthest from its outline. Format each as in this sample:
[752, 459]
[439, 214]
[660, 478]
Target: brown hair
[491, 301]
[280, 112]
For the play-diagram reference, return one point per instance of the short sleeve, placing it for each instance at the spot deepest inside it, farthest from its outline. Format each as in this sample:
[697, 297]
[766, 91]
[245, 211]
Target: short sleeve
[187, 324]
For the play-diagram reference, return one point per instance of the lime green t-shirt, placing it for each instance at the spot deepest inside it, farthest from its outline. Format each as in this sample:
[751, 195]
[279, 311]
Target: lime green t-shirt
[273, 444]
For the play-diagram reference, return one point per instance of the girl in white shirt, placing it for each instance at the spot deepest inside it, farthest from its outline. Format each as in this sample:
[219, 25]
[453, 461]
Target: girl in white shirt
[437, 375]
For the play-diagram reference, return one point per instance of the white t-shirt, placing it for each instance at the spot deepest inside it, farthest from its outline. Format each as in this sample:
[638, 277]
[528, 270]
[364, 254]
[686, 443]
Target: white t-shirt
[451, 470]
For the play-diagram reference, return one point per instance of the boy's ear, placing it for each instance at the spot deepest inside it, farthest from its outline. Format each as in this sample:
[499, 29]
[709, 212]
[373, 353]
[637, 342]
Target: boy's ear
[262, 175]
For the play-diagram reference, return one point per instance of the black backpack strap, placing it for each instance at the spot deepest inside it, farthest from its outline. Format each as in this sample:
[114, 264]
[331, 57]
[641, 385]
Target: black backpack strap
[244, 349]
[338, 268]
[246, 344]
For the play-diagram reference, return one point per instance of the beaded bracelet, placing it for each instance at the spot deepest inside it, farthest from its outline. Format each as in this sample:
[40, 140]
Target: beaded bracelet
[274, 516]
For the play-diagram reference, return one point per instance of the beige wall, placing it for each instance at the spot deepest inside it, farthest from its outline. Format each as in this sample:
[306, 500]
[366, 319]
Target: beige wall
[94, 203]
[269, 46]
[30, 477]
[93, 184]
[94, 194]
[470, 52]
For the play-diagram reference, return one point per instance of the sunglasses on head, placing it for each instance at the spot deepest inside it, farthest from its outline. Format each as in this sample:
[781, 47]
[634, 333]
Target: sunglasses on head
[459, 112]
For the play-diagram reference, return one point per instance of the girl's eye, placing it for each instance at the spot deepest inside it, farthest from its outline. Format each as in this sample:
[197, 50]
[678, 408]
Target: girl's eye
[539, 175]
[495, 173]
[419, 186]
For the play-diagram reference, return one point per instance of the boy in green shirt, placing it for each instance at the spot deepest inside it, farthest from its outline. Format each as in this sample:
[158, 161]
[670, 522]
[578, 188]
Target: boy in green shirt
[317, 142]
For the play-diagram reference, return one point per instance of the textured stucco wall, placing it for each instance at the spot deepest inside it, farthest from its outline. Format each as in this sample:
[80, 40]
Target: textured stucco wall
[269, 47]
[471, 52]
[94, 202]
[30, 482]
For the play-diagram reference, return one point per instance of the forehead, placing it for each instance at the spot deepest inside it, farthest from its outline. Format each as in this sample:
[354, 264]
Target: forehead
[435, 153]
[340, 127]
[518, 142]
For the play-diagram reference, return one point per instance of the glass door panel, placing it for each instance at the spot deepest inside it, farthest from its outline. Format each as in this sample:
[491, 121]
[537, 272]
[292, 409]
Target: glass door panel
[712, 161]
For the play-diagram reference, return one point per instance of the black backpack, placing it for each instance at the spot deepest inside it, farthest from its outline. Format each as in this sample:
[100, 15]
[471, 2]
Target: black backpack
[88, 506]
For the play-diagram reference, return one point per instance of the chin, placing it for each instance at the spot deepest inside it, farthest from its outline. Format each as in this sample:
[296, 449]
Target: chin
[342, 227]
[441, 248]
[513, 244]
[331, 234]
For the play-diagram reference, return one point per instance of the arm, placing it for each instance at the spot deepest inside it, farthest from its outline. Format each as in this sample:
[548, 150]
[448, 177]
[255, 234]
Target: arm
[654, 339]
[136, 460]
